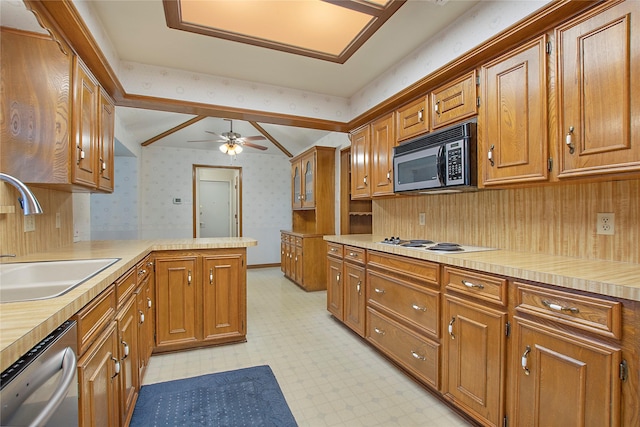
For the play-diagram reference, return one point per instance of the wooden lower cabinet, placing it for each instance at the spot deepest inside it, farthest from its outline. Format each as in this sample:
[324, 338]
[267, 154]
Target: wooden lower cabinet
[127, 321]
[300, 260]
[563, 380]
[99, 382]
[200, 298]
[354, 297]
[335, 289]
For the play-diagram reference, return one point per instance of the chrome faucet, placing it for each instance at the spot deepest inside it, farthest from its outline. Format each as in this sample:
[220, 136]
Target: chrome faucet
[28, 201]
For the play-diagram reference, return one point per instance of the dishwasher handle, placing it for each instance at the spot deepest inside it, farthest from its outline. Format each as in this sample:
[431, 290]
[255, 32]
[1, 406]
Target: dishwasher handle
[66, 362]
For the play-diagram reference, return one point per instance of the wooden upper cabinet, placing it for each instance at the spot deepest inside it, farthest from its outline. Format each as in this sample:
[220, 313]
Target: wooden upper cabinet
[383, 140]
[360, 149]
[599, 91]
[105, 143]
[412, 119]
[513, 143]
[84, 150]
[303, 176]
[454, 101]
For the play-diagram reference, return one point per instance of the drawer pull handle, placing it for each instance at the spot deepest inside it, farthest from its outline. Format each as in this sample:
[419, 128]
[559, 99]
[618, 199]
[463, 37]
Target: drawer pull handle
[149, 302]
[379, 291]
[338, 277]
[525, 357]
[472, 285]
[353, 254]
[453, 319]
[116, 367]
[418, 308]
[211, 276]
[126, 349]
[189, 278]
[417, 356]
[334, 250]
[559, 307]
[379, 331]
[141, 316]
[359, 287]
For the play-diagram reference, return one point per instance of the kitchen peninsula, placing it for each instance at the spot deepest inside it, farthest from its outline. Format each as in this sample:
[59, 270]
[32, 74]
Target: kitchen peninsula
[23, 324]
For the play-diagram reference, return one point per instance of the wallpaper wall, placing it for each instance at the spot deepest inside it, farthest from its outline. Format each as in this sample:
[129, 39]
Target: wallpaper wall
[166, 173]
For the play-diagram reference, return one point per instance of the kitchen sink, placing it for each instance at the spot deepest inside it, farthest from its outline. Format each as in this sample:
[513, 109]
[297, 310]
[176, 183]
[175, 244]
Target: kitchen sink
[28, 281]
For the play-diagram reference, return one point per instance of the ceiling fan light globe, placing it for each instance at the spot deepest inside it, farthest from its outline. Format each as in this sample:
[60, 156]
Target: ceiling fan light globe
[224, 148]
[238, 149]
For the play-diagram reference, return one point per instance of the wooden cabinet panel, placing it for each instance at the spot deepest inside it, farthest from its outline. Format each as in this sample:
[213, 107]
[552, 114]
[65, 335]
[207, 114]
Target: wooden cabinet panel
[383, 139]
[335, 288]
[106, 129]
[127, 321]
[146, 321]
[417, 306]
[412, 119]
[599, 91]
[303, 175]
[477, 285]
[86, 93]
[223, 296]
[415, 353]
[98, 380]
[360, 152]
[562, 380]
[94, 317]
[302, 260]
[354, 297]
[126, 285]
[176, 311]
[474, 359]
[424, 271]
[454, 101]
[513, 143]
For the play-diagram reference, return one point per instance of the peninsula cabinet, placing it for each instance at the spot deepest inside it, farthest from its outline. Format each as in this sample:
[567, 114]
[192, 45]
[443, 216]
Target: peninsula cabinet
[513, 143]
[299, 257]
[454, 101]
[200, 298]
[598, 63]
[68, 144]
[412, 119]
[475, 344]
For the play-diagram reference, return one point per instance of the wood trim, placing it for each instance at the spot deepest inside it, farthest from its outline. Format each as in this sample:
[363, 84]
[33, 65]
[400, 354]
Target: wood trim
[271, 138]
[173, 130]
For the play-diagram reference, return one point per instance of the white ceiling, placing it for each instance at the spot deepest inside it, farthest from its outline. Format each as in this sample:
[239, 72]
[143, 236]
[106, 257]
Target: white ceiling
[138, 31]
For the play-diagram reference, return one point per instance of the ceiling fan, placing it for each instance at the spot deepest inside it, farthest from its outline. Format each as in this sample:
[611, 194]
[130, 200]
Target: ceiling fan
[233, 141]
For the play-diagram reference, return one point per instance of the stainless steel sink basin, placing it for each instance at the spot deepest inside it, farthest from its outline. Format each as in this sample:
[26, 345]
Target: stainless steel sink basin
[29, 281]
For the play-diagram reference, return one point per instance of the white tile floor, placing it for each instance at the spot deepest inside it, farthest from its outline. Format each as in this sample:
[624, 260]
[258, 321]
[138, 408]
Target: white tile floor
[328, 375]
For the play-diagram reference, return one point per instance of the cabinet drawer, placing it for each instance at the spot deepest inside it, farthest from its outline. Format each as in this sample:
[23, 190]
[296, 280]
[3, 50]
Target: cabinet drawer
[415, 305]
[418, 355]
[334, 249]
[415, 269]
[412, 119]
[93, 317]
[481, 286]
[125, 285]
[296, 240]
[354, 254]
[592, 314]
[284, 238]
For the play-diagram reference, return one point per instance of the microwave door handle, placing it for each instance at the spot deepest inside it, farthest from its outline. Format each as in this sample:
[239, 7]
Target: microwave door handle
[68, 365]
[440, 165]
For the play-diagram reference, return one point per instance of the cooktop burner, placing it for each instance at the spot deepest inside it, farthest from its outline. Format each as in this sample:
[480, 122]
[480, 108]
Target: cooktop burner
[431, 245]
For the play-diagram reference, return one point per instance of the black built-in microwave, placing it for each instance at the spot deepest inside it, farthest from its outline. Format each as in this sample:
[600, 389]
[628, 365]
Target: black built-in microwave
[441, 161]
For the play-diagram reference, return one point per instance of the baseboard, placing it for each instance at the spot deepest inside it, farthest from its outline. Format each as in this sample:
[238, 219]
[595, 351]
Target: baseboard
[263, 265]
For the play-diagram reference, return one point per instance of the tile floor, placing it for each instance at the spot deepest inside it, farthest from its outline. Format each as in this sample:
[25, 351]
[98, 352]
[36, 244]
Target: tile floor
[328, 375]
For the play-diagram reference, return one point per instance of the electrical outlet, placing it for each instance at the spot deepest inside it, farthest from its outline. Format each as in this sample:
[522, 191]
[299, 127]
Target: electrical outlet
[422, 218]
[606, 223]
[57, 219]
[29, 223]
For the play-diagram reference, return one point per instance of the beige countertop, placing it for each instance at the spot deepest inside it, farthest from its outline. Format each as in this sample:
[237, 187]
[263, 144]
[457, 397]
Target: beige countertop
[24, 324]
[615, 279]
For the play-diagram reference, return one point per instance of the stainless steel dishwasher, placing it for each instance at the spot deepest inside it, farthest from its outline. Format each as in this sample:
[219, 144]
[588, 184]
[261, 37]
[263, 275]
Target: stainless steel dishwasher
[41, 388]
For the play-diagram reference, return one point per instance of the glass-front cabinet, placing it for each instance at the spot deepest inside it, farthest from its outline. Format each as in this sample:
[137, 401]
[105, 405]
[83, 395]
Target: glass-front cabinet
[303, 176]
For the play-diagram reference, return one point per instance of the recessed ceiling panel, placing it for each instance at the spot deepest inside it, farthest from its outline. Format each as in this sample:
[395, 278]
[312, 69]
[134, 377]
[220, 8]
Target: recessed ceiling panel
[326, 29]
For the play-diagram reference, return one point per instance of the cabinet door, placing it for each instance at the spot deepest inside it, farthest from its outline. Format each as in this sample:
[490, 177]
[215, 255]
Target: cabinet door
[308, 183]
[599, 91]
[454, 101]
[474, 359]
[360, 148]
[383, 139]
[335, 290]
[98, 381]
[561, 380]
[283, 252]
[298, 264]
[105, 143]
[514, 145]
[296, 187]
[412, 119]
[222, 295]
[146, 319]
[128, 355]
[354, 297]
[176, 300]
[85, 122]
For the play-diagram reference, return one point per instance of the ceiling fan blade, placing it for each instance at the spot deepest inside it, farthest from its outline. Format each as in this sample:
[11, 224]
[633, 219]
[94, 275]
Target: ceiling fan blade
[207, 140]
[259, 147]
[254, 138]
[220, 137]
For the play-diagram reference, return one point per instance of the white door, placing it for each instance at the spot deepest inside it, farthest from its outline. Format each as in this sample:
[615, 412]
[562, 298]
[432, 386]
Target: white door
[215, 209]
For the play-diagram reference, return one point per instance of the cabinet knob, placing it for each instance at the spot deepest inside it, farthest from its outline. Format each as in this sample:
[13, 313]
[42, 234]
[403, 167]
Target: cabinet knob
[379, 291]
[418, 308]
[569, 140]
[149, 302]
[379, 331]
[189, 278]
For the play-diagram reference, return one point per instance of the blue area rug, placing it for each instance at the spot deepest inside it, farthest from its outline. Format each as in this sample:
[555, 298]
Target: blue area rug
[245, 397]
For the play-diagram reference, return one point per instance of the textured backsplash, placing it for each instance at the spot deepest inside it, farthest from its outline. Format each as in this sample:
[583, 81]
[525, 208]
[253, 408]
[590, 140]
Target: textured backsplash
[557, 219]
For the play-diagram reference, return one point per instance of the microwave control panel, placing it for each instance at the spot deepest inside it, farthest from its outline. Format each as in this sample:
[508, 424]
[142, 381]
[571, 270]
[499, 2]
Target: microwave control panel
[455, 163]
